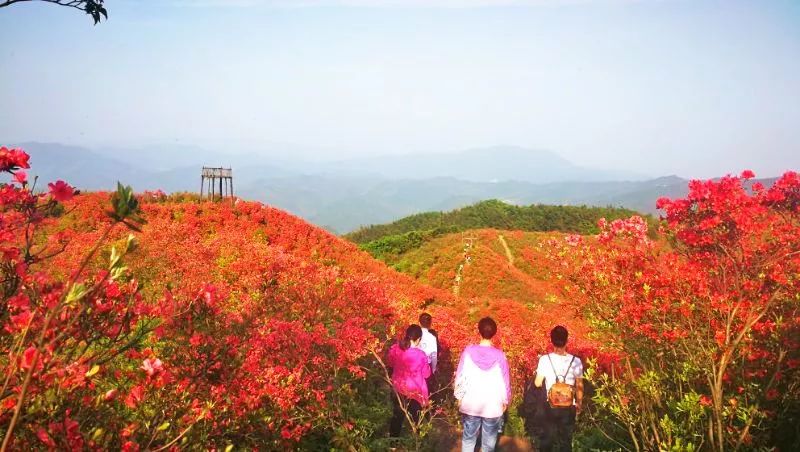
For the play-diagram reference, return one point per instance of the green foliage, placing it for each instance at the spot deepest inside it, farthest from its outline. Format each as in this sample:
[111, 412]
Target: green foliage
[95, 9]
[639, 400]
[395, 245]
[367, 407]
[182, 197]
[389, 240]
[125, 208]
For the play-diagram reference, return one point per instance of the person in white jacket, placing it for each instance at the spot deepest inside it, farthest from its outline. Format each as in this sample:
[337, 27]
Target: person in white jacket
[429, 343]
[483, 389]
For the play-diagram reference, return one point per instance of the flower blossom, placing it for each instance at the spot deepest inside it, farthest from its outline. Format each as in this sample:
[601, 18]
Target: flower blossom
[135, 396]
[21, 177]
[152, 366]
[28, 356]
[45, 438]
[11, 159]
[61, 191]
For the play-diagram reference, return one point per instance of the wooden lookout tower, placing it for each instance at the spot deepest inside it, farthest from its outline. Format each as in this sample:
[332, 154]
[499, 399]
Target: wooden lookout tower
[216, 183]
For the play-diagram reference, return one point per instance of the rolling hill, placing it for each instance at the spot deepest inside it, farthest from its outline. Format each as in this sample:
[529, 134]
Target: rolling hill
[484, 263]
[504, 274]
[388, 241]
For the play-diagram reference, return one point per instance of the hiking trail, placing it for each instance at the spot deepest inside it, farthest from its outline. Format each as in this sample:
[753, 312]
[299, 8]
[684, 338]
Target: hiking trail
[509, 256]
[469, 243]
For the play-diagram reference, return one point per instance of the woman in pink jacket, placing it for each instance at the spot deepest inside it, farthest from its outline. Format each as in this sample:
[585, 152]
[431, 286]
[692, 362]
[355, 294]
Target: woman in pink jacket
[409, 370]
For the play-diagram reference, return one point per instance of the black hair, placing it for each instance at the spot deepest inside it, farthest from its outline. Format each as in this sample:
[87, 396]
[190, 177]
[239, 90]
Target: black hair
[413, 333]
[425, 320]
[559, 336]
[487, 327]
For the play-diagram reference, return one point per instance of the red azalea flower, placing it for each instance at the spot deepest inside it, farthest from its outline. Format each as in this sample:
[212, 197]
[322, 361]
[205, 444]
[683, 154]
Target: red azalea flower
[21, 320]
[196, 340]
[11, 159]
[45, 438]
[61, 191]
[134, 397]
[113, 290]
[21, 177]
[130, 446]
[110, 395]
[152, 366]
[772, 394]
[27, 357]
[747, 174]
[10, 403]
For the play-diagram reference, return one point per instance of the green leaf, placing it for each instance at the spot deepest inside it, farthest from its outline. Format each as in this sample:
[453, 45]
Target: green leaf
[163, 426]
[76, 292]
[115, 257]
[93, 370]
[131, 243]
[125, 207]
[118, 272]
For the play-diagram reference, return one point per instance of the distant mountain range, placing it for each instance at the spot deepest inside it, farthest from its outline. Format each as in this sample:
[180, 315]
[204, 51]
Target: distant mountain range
[492, 164]
[344, 195]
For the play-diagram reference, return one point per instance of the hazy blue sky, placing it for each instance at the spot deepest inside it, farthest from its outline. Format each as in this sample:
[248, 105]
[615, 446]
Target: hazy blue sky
[692, 87]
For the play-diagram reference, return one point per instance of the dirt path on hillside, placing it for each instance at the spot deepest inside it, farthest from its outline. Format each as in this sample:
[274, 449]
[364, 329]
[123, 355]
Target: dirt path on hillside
[449, 440]
[509, 256]
[468, 245]
[505, 444]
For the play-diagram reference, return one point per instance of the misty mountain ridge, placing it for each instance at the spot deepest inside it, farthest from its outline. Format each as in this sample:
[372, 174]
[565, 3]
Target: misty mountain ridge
[488, 164]
[344, 195]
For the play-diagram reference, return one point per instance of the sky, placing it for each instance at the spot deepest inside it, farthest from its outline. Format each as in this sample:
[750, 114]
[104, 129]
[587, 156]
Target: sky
[696, 88]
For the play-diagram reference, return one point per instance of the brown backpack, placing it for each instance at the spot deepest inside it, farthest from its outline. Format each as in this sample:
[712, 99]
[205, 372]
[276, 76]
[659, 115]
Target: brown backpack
[561, 395]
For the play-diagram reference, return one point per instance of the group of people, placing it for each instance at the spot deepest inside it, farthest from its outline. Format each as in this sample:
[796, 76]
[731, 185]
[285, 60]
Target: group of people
[482, 385]
[413, 362]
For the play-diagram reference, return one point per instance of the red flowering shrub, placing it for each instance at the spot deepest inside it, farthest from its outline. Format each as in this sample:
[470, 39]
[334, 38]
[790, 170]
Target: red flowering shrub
[245, 326]
[58, 334]
[706, 323]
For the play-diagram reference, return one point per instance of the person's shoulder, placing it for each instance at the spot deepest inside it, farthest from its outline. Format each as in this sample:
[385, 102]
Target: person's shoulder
[470, 349]
[577, 364]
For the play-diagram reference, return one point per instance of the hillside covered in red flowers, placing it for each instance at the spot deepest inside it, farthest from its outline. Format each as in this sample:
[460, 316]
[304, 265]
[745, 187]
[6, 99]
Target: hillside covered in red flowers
[506, 275]
[164, 320]
[271, 265]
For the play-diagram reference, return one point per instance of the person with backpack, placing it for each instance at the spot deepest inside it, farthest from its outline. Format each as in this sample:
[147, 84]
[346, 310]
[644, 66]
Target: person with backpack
[562, 375]
[483, 389]
[410, 369]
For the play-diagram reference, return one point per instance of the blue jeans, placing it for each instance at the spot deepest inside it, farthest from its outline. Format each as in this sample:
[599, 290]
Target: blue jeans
[489, 427]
